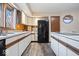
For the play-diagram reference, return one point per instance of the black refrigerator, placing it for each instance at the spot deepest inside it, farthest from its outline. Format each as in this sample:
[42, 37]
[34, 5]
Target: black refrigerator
[43, 31]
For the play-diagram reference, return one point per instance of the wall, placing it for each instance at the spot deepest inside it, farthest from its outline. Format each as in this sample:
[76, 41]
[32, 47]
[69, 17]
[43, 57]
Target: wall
[72, 27]
[35, 19]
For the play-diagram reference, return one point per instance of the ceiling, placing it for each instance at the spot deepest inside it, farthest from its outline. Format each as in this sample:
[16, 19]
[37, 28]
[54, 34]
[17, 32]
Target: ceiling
[48, 8]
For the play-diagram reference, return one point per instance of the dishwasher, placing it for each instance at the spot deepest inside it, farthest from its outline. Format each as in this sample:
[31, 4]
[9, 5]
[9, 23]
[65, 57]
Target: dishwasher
[2, 47]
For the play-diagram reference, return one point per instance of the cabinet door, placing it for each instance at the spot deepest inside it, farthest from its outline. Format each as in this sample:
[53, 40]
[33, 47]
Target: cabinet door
[24, 44]
[36, 37]
[62, 50]
[28, 40]
[12, 51]
[54, 46]
[21, 47]
[33, 37]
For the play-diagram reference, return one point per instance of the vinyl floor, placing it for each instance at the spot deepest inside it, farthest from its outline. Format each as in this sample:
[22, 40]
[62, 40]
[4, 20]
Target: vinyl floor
[39, 49]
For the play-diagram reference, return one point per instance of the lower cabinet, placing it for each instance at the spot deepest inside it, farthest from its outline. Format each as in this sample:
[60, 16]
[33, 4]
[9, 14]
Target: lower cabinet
[34, 37]
[18, 48]
[24, 44]
[54, 46]
[61, 50]
[12, 51]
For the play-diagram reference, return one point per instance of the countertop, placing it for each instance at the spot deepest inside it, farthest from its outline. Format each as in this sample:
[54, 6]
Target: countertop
[66, 35]
[9, 35]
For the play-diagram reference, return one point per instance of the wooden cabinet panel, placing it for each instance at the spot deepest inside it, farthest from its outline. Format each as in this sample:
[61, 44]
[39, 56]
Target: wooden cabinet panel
[24, 44]
[55, 24]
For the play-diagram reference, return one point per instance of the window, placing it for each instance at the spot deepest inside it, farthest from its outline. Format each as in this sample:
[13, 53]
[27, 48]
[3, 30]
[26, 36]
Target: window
[9, 16]
[1, 21]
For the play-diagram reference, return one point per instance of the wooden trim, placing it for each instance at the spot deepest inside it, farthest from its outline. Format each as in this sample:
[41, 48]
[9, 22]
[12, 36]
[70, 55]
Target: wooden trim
[16, 41]
[74, 49]
[34, 41]
[4, 13]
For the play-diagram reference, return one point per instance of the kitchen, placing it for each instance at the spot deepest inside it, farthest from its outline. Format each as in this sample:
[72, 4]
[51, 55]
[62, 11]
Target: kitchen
[22, 24]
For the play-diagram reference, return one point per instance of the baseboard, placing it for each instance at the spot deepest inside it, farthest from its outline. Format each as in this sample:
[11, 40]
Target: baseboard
[39, 42]
[34, 41]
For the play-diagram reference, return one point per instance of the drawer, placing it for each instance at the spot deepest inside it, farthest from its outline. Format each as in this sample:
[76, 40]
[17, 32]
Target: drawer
[73, 43]
[54, 46]
[70, 41]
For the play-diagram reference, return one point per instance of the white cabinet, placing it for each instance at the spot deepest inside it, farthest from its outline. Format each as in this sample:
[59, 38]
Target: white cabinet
[18, 48]
[28, 40]
[58, 48]
[35, 37]
[21, 46]
[12, 51]
[54, 46]
[73, 43]
[62, 50]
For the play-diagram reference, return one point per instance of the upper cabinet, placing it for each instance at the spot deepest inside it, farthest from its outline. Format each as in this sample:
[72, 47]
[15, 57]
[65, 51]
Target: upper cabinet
[10, 16]
[29, 20]
[18, 17]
